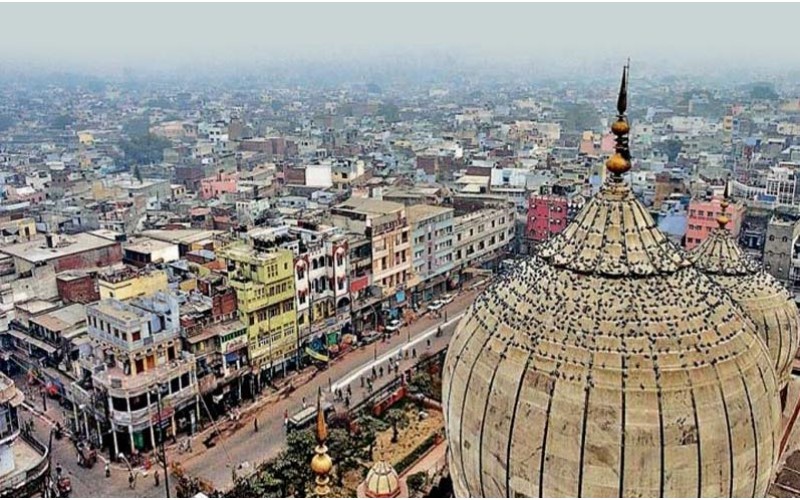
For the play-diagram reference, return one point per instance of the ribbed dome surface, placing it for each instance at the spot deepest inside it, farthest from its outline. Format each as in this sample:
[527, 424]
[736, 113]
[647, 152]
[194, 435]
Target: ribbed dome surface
[382, 481]
[769, 305]
[608, 366]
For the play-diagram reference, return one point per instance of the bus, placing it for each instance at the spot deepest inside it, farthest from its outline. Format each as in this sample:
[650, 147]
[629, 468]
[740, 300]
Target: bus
[304, 417]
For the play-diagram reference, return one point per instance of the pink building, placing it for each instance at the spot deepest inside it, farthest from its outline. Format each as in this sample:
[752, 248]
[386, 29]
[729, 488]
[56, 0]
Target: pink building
[547, 215]
[213, 187]
[703, 218]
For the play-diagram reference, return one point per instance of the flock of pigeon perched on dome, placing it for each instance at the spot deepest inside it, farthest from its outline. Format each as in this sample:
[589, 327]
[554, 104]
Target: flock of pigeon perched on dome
[614, 364]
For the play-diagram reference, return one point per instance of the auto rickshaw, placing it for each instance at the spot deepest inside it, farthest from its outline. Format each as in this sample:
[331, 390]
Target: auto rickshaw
[87, 455]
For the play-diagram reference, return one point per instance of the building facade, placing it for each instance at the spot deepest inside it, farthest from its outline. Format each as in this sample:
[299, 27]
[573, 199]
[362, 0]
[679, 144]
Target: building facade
[137, 366]
[702, 218]
[432, 251]
[265, 294]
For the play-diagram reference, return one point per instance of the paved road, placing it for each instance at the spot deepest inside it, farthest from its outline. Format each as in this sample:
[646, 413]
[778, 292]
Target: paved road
[245, 445]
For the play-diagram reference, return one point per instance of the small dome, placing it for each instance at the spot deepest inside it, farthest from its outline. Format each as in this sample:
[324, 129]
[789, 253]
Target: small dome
[382, 481]
[768, 304]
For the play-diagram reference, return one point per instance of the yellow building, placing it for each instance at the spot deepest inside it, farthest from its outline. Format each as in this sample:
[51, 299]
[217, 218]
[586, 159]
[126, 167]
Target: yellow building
[130, 283]
[264, 285]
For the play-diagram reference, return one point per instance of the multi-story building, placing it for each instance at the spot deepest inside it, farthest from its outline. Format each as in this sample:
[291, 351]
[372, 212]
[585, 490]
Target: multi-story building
[432, 246]
[547, 216]
[137, 366]
[702, 218]
[24, 461]
[782, 250]
[483, 237]
[265, 294]
[129, 283]
[385, 224]
[322, 284]
[781, 184]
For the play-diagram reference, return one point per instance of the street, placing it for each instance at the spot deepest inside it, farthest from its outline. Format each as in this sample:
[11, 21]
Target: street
[245, 445]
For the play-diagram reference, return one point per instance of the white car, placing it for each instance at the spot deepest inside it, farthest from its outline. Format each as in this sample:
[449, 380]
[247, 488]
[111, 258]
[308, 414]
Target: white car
[393, 325]
[447, 298]
[435, 305]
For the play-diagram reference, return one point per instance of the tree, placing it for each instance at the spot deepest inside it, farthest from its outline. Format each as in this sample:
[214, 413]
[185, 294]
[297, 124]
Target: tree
[422, 382]
[390, 112]
[62, 121]
[397, 418]
[672, 148]
[145, 150]
[763, 91]
[417, 481]
[579, 117]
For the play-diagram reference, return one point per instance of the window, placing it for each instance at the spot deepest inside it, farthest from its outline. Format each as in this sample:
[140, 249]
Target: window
[136, 336]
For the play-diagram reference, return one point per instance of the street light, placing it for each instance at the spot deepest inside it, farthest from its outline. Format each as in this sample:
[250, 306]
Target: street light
[160, 388]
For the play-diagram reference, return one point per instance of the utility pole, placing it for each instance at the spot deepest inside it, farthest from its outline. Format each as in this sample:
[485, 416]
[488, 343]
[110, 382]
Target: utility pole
[161, 438]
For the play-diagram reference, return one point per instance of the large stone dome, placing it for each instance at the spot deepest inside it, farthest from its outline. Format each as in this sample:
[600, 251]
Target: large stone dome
[608, 366]
[766, 302]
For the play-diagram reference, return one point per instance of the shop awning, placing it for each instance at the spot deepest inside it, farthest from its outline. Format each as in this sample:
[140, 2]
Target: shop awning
[316, 355]
[32, 341]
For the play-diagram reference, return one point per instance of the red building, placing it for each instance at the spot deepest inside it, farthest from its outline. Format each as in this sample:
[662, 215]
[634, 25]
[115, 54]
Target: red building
[547, 215]
[77, 286]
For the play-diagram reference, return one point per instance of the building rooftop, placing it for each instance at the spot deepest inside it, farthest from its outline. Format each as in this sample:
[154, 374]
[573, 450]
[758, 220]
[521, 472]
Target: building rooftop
[38, 251]
[62, 319]
[181, 236]
[370, 206]
[422, 212]
[147, 245]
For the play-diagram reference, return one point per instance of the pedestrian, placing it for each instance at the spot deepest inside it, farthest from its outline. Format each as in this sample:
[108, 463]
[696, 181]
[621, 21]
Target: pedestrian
[349, 391]
[405, 353]
[108, 470]
[373, 372]
[347, 401]
[156, 478]
[381, 371]
[255, 424]
[362, 381]
[58, 469]
[428, 342]
[131, 481]
[396, 369]
[414, 352]
[304, 403]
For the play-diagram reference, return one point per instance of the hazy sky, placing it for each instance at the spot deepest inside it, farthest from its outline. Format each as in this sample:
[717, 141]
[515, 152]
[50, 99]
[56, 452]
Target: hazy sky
[112, 36]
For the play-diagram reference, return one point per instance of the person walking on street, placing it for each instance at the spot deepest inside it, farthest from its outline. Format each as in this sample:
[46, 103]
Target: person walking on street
[131, 481]
[373, 372]
[362, 381]
[349, 391]
[255, 424]
[156, 478]
[304, 403]
[347, 401]
[414, 352]
[108, 470]
[428, 342]
[58, 469]
[381, 371]
[396, 369]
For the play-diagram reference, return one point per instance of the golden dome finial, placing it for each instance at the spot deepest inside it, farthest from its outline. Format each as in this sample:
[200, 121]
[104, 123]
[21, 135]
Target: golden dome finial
[723, 219]
[321, 463]
[620, 161]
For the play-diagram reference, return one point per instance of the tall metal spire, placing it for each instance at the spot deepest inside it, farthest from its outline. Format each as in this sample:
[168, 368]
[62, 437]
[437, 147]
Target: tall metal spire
[723, 218]
[620, 161]
[321, 463]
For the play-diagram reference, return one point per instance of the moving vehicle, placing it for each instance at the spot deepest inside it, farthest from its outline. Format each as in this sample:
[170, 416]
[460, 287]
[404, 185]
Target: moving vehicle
[393, 325]
[304, 417]
[435, 305]
[369, 338]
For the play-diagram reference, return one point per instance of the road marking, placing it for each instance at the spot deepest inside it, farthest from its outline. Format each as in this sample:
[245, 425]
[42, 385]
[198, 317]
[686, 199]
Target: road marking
[347, 379]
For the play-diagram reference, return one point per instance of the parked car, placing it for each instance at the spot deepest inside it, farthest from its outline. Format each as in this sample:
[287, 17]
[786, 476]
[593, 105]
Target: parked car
[447, 298]
[369, 338]
[393, 325]
[435, 305]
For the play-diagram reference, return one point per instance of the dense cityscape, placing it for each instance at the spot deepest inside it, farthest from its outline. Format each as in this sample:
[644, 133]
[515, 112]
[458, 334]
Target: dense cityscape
[403, 280]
